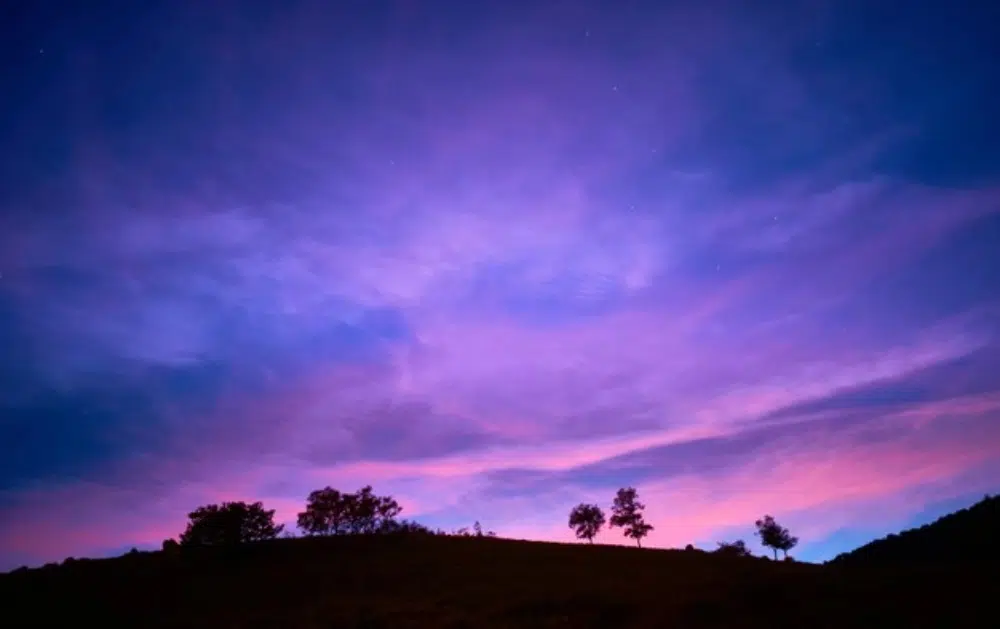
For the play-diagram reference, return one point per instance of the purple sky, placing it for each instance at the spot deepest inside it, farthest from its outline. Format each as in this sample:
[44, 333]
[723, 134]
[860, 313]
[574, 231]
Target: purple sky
[496, 260]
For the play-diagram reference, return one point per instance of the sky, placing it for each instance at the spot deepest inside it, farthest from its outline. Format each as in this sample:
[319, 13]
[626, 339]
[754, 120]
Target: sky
[496, 259]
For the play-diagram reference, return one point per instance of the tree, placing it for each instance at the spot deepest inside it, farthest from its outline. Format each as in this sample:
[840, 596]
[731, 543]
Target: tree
[230, 523]
[330, 512]
[586, 521]
[626, 512]
[733, 549]
[324, 514]
[774, 536]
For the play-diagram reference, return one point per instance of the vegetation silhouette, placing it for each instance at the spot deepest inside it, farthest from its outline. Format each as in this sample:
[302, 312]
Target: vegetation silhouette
[229, 524]
[967, 535]
[586, 521]
[774, 536]
[330, 512]
[734, 549]
[359, 565]
[626, 512]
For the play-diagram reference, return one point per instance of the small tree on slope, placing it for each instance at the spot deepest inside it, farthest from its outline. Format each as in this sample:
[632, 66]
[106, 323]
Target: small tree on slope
[626, 512]
[774, 536]
[586, 521]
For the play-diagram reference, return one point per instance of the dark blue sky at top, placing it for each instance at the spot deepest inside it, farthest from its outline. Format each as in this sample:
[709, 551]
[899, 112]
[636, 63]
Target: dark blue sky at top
[175, 110]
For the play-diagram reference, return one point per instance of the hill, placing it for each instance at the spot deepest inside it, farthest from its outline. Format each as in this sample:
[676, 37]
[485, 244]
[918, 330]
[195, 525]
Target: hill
[966, 535]
[432, 581]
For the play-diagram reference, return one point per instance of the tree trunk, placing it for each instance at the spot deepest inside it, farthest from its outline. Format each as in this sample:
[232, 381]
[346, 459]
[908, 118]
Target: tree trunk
[638, 542]
[590, 540]
[776, 554]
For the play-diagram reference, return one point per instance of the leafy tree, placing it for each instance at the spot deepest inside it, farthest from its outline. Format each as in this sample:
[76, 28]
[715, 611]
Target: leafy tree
[734, 549]
[626, 512]
[325, 513]
[586, 521]
[774, 536]
[368, 512]
[330, 512]
[230, 523]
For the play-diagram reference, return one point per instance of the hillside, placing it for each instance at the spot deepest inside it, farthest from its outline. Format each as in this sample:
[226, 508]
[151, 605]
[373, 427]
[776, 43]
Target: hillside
[966, 535]
[430, 581]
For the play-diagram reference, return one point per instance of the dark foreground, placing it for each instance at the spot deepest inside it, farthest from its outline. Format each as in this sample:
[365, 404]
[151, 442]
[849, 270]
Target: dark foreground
[481, 582]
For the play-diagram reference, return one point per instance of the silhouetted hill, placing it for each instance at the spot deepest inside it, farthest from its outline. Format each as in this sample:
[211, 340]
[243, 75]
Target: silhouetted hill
[967, 535]
[442, 582]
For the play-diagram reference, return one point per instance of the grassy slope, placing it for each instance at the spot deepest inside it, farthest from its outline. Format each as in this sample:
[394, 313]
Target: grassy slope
[470, 582]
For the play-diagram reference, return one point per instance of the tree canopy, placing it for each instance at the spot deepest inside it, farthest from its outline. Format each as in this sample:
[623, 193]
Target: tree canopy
[626, 512]
[774, 536]
[331, 512]
[586, 521]
[230, 523]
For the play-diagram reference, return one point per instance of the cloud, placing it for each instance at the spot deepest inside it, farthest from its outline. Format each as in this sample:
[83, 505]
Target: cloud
[496, 272]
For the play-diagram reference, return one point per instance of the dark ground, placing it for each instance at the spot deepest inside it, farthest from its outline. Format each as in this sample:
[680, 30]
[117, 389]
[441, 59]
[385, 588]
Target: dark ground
[387, 581]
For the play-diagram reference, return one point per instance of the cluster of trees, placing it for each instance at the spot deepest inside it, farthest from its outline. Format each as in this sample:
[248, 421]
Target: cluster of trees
[328, 511]
[774, 536]
[587, 520]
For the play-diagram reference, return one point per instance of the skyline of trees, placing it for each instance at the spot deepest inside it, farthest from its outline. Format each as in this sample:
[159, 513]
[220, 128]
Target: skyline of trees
[329, 511]
[241, 522]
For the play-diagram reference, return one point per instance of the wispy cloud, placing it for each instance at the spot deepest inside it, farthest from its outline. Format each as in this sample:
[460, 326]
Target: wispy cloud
[495, 276]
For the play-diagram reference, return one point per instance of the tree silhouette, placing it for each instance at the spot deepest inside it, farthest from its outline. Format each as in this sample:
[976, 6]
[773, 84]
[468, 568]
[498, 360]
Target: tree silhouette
[324, 514]
[626, 512]
[230, 523]
[330, 512]
[772, 535]
[586, 521]
[733, 549]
